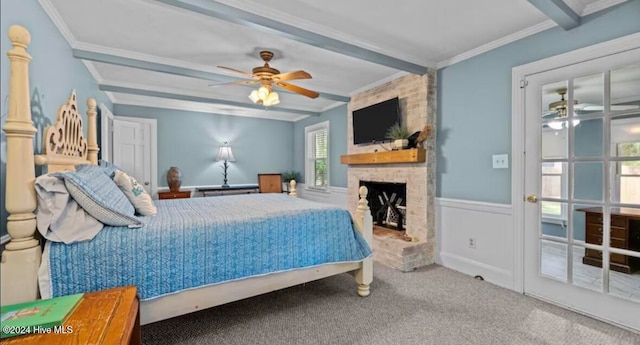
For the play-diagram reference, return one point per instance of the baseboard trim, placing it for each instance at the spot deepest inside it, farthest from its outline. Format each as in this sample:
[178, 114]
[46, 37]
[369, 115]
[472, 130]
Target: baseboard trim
[5, 239]
[491, 274]
[475, 205]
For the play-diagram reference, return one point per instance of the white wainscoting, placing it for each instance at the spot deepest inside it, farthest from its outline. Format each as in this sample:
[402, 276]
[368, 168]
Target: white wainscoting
[491, 227]
[335, 195]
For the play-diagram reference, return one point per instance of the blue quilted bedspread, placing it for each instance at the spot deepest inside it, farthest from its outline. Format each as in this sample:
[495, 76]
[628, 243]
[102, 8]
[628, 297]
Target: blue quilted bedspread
[203, 241]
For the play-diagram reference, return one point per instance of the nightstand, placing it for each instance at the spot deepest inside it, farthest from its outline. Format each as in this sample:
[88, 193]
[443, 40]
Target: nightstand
[174, 195]
[102, 317]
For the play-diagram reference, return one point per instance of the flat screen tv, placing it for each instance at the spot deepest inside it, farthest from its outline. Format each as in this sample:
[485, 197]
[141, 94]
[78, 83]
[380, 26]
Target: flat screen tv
[370, 124]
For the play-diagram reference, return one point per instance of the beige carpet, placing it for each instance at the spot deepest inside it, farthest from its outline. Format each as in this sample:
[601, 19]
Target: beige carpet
[433, 305]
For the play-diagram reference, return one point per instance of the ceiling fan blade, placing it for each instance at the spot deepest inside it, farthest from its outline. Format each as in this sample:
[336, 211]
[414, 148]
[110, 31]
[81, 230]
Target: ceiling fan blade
[291, 76]
[237, 71]
[596, 107]
[298, 89]
[239, 82]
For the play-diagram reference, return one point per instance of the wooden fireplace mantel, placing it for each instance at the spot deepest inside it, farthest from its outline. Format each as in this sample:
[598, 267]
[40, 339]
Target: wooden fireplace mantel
[386, 157]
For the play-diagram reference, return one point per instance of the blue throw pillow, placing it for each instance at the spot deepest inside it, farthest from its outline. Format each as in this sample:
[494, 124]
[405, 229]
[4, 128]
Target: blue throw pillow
[97, 194]
[105, 166]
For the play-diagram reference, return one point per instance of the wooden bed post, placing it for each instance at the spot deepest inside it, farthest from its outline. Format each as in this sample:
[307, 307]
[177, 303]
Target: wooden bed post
[92, 132]
[364, 223]
[21, 257]
[292, 188]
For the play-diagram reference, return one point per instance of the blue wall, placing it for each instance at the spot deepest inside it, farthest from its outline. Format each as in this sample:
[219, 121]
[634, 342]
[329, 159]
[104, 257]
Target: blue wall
[53, 74]
[190, 141]
[337, 118]
[474, 103]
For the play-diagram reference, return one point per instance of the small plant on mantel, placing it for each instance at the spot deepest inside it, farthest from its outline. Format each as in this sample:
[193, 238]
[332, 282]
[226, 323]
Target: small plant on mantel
[399, 134]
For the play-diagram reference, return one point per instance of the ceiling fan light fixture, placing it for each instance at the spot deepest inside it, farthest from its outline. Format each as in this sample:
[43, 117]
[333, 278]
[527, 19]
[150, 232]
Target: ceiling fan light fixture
[557, 125]
[272, 99]
[254, 96]
[263, 93]
[267, 77]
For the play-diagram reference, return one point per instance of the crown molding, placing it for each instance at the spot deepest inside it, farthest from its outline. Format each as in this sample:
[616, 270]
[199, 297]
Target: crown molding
[532, 30]
[377, 83]
[93, 71]
[96, 75]
[331, 106]
[55, 17]
[62, 27]
[599, 6]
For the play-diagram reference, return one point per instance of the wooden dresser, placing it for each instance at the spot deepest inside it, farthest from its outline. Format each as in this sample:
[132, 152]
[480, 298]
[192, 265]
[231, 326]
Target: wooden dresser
[103, 317]
[625, 234]
[174, 195]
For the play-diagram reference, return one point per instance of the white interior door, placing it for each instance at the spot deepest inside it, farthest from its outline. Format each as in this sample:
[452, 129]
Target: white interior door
[106, 133]
[133, 149]
[582, 181]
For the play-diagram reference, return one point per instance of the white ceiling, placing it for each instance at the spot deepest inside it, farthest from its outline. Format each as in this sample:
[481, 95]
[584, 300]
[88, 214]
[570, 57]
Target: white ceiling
[429, 33]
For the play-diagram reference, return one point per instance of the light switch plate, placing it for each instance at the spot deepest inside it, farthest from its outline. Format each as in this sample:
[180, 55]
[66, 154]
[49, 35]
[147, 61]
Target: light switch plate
[501, 161]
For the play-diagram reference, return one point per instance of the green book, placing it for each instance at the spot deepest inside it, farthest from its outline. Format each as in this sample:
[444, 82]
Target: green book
[37, 317]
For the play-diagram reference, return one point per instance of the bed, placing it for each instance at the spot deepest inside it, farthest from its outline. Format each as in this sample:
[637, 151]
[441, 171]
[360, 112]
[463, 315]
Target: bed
[195, 254]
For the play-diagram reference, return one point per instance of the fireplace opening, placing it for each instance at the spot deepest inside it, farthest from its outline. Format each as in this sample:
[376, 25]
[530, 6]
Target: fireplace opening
[388, 203]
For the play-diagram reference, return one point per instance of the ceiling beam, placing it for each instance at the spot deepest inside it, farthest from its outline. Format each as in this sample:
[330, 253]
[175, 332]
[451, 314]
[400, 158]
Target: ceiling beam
[559, 12]
[247, 19]
[181, 97]
[180, 71]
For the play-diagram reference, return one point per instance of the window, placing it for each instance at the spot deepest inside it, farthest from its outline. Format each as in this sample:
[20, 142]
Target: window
[628, 173]
[317, 155]
[554, 175]
[554, 180]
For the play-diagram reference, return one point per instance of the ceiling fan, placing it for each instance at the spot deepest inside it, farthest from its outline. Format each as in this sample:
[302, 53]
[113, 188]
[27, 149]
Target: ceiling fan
[268, 77]
[559, 108]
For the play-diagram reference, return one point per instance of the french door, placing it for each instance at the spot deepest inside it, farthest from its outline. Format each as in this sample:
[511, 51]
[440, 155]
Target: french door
[582, 185]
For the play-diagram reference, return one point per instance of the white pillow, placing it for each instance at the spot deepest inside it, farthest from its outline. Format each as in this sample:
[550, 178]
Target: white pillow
[136, 194]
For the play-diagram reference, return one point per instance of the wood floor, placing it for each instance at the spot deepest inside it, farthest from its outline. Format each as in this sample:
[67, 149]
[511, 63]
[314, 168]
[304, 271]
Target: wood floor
[554, 264]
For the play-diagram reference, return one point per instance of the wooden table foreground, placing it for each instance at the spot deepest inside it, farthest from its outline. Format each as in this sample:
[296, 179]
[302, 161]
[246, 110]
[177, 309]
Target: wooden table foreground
[103, 317]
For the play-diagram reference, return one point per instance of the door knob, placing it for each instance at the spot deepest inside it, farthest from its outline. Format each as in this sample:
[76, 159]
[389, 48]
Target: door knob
[532, 198]
[146, 183]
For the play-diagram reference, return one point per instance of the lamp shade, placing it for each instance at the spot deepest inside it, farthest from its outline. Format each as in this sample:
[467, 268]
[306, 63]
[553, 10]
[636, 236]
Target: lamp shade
[225, 154]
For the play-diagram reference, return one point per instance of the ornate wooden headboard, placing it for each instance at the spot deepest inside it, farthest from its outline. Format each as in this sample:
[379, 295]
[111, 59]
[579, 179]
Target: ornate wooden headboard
[64, 144]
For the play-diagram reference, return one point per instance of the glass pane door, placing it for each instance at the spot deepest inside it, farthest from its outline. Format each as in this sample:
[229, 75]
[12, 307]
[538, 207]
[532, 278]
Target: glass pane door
[582, 221]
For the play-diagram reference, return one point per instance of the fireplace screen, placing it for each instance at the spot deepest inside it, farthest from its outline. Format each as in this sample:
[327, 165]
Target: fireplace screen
[388, 203]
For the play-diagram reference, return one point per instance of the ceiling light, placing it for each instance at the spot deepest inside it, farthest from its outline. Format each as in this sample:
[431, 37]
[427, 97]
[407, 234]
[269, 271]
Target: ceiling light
[254, 96]
[272, 99]
[558, 125]
[265, 96]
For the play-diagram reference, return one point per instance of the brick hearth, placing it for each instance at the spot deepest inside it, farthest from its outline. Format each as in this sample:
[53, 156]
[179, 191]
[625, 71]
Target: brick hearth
[417, 95]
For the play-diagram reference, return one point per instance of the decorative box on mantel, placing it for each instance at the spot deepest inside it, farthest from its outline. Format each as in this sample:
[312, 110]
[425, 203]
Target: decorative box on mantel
[417, 155]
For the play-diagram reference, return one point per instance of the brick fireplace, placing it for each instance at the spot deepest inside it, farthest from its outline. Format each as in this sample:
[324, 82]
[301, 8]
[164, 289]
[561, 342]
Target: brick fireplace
[417, 96]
